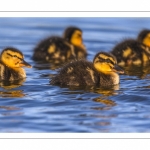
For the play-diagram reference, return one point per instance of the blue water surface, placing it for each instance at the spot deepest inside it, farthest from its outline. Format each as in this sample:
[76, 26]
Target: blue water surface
[36, 106]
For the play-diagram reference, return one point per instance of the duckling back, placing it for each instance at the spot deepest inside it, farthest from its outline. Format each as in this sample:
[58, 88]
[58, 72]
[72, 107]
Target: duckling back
[130, 52]
[54, 49]
[76, 73]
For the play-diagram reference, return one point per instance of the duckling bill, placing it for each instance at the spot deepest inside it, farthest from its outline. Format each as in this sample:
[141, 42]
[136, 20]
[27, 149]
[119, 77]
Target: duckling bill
[102, 72]
[11, 63]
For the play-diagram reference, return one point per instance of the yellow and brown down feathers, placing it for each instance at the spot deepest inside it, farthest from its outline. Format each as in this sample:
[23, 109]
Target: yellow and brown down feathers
[11, 63]
[57, 49]
[102, 72]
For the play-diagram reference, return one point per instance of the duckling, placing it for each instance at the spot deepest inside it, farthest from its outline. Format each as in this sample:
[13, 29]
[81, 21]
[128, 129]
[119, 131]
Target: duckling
[61, 49]
[11, 63]
[133, 52]
[102, 72]
[74, 36]
[129, 52]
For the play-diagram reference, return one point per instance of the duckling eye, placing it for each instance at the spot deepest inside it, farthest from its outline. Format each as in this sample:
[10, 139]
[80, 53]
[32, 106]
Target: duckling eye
[109, 61]
[100, 59]
[79, 35]
[14, 56]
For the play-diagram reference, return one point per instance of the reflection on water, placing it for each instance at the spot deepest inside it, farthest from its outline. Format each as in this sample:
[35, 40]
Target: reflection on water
[139, 71]
[9, 111]
[104, 100]
[108, 91]
[8, 87]
[6, 114]
[12, 84]
[43, 65]
[9, 108]
[94, 89]
[12, 93]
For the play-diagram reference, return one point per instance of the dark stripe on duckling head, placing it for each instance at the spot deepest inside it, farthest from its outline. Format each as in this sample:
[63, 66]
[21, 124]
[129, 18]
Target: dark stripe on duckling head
[14, 56]
[69, 32]
[11, 49]
[105, 57]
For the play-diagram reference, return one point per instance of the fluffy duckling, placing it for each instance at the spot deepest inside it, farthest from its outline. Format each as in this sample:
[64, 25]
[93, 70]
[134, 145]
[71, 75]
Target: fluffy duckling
[61, 49]
[11, 63]
[74, 36]
[102, 72]
[133, 52]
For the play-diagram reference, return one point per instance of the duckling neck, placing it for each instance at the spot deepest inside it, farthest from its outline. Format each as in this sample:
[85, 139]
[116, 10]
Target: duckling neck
[20, 72]
[14, 73]
[80, 52]
[109, 79]
[146, 48]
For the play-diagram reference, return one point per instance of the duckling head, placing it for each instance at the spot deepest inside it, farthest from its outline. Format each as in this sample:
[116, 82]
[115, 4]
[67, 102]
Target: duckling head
[74, 36]
[144, 37]
[106, 63]
[13, 58]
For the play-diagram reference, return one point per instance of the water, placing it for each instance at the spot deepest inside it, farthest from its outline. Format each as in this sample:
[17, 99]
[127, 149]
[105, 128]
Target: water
[34, 105]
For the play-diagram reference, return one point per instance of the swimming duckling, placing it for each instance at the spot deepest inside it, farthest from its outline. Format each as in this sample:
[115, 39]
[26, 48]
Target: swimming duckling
[57, 49]
[11, 63]
[74, 36]
[102, 72]
[133, 52]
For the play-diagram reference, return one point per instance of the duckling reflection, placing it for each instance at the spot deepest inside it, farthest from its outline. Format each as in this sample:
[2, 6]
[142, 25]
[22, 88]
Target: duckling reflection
[134, 51]
[12, 93]
[108, 91]
[52, 66]
[11, 111]
[105, 93]
[104, 100]
[12, 84]
[8, 88]
[9, 108]
[139, 71]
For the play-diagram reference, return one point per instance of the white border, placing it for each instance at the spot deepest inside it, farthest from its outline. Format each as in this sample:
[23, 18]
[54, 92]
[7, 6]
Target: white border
[74, 14]
[75, 135]
[76, 5]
